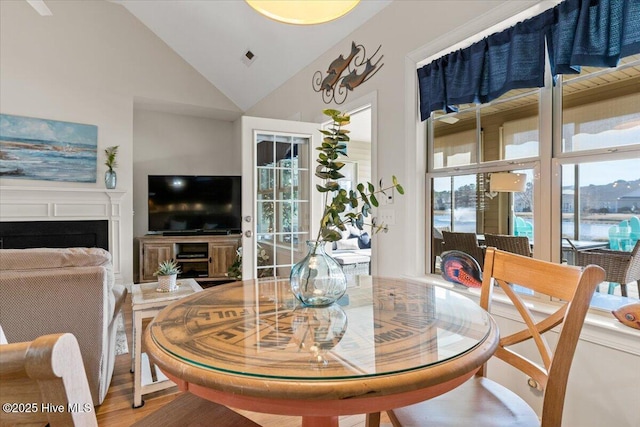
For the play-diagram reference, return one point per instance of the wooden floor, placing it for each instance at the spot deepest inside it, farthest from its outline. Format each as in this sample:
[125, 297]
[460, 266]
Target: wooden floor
[116, 410]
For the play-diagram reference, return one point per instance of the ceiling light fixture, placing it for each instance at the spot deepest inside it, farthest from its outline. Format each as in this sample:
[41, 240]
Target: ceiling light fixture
[303, 12]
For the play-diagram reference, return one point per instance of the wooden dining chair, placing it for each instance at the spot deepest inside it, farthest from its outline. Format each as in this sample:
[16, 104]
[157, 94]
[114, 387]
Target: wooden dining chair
[465, 242]
[515, 244]
[483, 402]
[49, 371]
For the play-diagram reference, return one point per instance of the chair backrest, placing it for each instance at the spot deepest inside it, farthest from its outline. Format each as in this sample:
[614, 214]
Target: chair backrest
[634, 225]
[614, 242]
[438, 240]
[46, 375]
[633, 270]
[515, 244]
[465, 242]
[571, 284]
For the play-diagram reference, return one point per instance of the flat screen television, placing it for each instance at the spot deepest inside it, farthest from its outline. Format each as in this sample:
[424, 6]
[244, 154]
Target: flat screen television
[183, 204]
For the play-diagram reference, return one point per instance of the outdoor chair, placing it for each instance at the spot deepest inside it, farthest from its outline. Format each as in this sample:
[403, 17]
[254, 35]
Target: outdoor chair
[634, 224]
[465, 242]
[49, 371]
[523, 228]
[483, 402]
[515, 244]
[620, 236]
[621, 267]
[438, 245]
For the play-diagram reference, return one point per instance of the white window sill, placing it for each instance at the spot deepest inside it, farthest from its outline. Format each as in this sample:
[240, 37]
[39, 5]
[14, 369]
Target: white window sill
[600, 326]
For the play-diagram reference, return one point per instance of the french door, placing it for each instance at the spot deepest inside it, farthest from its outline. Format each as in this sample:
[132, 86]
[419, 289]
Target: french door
[277, 194]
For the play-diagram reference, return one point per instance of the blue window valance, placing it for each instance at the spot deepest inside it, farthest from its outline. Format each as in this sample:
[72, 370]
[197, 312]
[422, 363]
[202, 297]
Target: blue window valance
[577, 32]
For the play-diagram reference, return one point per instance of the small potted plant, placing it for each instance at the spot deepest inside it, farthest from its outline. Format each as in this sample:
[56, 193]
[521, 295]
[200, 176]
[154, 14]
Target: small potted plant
[110, 177]
[235, 269]
[167, 273]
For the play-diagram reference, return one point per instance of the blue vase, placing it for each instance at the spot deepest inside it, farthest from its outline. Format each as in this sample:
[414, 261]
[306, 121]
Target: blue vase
[110, 179]
[317, 280]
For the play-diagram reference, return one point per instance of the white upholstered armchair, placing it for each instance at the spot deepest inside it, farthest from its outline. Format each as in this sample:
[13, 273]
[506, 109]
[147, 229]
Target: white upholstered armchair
[49, 291]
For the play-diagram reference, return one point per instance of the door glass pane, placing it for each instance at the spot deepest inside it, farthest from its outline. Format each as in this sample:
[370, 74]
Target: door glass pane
[282, 189]
[264, 255]
[265, 217]
[284, 259]
[265, 183]
[265, 150]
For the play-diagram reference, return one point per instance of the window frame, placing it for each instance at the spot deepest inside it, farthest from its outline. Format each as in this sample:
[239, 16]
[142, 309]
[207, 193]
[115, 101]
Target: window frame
[547, 167]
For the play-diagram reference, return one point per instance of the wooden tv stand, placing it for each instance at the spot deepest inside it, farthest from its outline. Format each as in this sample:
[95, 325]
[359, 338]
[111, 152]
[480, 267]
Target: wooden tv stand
[205, 258]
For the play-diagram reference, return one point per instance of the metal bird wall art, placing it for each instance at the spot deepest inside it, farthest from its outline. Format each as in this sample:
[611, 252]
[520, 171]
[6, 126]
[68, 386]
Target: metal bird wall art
[345, 74]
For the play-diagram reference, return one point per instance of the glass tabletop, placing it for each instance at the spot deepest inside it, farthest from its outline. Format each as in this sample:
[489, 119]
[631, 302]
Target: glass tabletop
[381, 327]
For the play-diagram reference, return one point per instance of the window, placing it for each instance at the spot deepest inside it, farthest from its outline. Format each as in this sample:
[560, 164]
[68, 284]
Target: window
[597, 196]
[600, 175]
[281, 201]
[593, 125]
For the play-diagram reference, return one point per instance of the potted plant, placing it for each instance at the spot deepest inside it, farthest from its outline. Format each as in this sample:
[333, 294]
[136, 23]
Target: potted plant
[318, 279]
[110, 177]
[235, 269]
[167, 273]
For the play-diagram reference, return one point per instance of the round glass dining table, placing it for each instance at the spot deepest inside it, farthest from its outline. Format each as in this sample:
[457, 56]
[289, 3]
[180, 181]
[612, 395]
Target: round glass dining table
[387, 343]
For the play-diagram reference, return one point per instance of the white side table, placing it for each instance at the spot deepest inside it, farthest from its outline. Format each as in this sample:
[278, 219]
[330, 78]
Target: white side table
[146, 303]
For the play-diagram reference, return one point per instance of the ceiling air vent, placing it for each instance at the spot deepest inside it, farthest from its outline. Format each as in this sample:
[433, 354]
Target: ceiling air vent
[248, 58]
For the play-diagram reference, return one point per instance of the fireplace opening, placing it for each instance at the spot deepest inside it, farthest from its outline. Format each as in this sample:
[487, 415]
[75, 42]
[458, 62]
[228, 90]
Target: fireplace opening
[54, 234]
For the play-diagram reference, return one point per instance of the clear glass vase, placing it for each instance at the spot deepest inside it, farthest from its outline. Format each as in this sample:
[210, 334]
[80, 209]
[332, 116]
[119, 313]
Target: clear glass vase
[317, 280]
[110, 179]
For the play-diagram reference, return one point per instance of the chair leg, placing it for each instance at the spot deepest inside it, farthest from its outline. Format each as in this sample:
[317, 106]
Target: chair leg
[623, 289]
[394, 420]
[373, 420]
[612, 288]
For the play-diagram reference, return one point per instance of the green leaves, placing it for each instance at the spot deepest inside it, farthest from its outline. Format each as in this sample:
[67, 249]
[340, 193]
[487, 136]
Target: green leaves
[111, 153]
[398, 187]
[344, 207]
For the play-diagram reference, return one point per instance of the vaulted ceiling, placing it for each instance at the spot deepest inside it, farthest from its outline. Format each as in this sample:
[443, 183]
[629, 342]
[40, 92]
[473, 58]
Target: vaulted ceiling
[214, 36]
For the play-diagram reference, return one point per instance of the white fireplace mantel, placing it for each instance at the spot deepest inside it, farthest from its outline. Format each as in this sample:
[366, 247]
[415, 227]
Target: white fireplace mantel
[67, 204]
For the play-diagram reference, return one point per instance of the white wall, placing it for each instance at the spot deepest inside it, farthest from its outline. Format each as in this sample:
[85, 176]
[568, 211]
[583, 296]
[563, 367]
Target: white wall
[400, 28]
[86, 64]
[173, 144]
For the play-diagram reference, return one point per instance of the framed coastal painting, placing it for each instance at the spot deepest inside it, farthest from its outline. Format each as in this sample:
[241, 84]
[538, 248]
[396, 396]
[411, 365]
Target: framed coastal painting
[47, 150]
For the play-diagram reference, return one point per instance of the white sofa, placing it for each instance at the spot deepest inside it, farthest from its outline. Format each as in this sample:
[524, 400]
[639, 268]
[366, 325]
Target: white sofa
[353, 252]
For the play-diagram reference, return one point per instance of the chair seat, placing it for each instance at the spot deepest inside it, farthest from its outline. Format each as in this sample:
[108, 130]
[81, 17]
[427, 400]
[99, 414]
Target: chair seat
[479, 402]
[189, 410]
